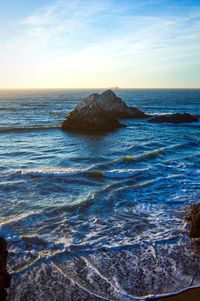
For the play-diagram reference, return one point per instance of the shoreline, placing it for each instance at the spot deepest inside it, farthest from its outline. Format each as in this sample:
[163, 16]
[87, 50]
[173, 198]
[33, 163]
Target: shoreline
[190, 294]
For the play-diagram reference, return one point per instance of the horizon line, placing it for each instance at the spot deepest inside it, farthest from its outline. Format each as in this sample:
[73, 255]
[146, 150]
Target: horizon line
[101, 88]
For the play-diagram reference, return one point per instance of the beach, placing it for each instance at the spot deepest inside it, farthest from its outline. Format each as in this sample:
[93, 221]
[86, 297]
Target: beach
[191, 294]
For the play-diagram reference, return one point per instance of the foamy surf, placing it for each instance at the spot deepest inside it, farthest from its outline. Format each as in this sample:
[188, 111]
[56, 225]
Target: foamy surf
[123, 173]
[51, 172]
[84, 208]
[66, 172]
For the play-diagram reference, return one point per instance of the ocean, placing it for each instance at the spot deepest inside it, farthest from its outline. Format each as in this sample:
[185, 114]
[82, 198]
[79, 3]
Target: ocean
[98, 217]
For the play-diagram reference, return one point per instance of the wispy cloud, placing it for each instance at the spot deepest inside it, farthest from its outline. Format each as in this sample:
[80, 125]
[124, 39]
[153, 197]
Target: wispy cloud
[109, 37]
[90, 21]
[62, 24]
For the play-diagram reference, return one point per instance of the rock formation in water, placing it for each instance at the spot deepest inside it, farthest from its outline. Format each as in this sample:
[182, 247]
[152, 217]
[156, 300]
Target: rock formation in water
[175, 118]
[194, 218]
[5, 277]
[99, 112]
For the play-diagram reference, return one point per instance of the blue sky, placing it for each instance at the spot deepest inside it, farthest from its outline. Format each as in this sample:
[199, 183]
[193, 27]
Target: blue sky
[93, 43]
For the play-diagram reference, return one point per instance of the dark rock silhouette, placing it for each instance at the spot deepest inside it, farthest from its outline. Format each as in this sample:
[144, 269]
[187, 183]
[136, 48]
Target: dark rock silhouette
[5, 277]
[175, 118]
[90, 118]
[99, 112]
[194, 218]
[114, 105]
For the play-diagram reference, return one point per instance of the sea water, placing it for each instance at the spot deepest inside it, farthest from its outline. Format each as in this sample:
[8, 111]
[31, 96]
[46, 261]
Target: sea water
[98, 217]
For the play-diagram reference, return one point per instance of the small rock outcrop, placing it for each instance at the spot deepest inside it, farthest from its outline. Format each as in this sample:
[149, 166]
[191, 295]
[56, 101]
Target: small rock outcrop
[99, 112]
[5, 277]
[194, 219]
[175, 118]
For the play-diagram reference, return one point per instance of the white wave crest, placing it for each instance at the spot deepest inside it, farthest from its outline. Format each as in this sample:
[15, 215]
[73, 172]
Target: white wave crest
[123, 173]
[54, 171]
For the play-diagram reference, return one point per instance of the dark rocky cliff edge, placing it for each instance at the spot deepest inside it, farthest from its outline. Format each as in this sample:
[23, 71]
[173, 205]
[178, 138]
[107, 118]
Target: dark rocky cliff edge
[5, 277]
[194, 219]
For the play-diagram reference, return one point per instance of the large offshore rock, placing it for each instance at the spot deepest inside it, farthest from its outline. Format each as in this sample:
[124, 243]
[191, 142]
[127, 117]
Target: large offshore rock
[114, 105]
[175, 118]
[5, 278]
[99, 112]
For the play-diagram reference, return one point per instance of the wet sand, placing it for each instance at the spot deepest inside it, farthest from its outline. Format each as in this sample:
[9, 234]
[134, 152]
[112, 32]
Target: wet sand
[188, 295]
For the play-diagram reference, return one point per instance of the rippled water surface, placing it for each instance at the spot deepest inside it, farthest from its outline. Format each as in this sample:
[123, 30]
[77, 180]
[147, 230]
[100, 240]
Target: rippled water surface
[98, 217]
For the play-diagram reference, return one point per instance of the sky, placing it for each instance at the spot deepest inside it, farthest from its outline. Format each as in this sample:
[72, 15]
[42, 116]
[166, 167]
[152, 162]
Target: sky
[99, 43]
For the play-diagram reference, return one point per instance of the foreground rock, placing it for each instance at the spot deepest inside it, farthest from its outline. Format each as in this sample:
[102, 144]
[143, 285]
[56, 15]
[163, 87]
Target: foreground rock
[175, 118]
[99, 112]
[5, 278]
[194, 218]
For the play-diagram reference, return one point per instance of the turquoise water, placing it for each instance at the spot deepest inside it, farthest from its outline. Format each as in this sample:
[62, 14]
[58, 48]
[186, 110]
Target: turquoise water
[98, 217]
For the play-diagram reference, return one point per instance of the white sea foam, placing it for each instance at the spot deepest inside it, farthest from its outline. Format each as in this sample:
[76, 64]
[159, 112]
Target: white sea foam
[15, 218]
[122, 173]
[64, 172]
[54, 171]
